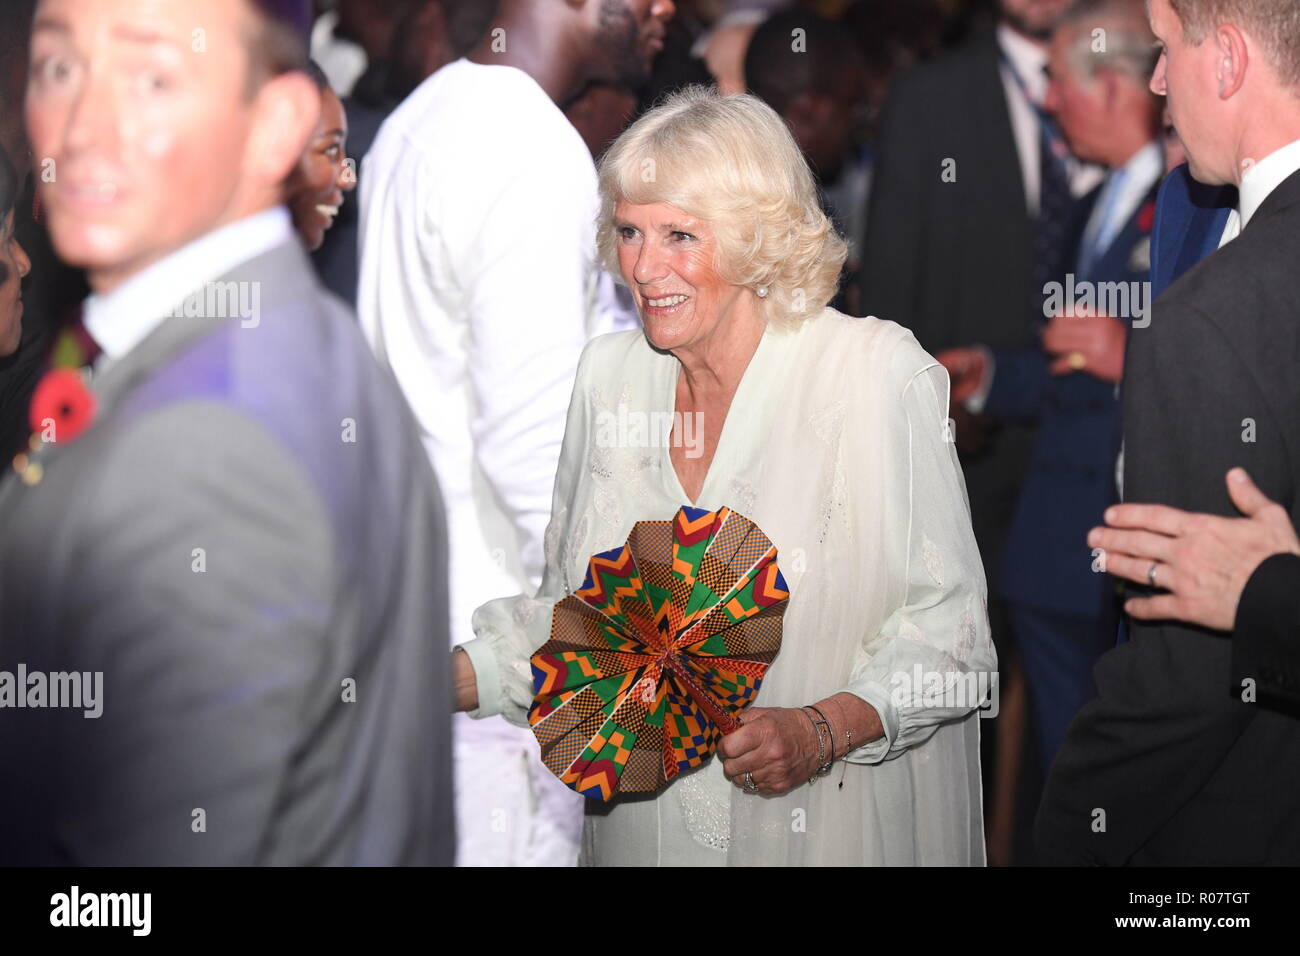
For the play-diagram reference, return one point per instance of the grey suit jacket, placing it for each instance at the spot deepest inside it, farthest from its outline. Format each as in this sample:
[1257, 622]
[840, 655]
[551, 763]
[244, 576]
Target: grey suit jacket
[249, 544]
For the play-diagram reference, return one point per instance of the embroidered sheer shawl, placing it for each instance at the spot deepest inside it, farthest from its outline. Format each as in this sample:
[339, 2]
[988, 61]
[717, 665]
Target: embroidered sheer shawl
[838, 445]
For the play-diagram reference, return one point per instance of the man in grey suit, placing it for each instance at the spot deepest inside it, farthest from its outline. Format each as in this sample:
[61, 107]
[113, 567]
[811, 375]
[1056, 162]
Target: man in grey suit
[223, 578]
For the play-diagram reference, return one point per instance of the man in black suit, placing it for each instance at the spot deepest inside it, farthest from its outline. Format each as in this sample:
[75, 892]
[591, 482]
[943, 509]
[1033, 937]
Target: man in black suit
[1238, 575]
[1171, 764]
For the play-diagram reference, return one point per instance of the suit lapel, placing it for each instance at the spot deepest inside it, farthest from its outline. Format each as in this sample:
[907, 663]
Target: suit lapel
[1118, 260]
[1206, 218]
[283, 276]
[1279, 200]
[989, 101]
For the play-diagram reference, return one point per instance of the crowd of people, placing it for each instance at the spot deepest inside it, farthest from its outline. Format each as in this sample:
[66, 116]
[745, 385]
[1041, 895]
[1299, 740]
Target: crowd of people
[311, 317]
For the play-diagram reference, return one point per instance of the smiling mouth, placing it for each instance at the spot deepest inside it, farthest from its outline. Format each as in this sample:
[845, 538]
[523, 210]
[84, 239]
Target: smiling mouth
[667, 302]
[329, 211]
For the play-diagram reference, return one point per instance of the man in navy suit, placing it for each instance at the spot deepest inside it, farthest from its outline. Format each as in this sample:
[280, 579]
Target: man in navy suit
[1063, 609]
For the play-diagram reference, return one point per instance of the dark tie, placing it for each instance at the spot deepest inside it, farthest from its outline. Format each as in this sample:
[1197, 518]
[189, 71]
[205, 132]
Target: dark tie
[1055, 203]
[74, 347]
[1055, 200]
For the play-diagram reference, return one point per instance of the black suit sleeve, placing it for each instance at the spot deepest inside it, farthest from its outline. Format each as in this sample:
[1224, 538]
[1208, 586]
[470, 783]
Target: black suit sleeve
[1266, 641]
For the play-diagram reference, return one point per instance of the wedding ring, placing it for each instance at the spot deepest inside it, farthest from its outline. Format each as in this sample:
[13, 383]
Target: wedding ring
[750, 786]
[1151, 573]
[1077, 361]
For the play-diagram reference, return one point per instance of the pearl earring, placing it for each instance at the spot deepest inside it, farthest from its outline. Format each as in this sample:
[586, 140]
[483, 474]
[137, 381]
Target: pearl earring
[762, 292]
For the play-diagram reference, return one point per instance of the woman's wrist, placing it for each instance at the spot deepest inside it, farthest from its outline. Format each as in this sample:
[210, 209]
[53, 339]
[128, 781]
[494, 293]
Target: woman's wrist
[853, 723]
[465, 680]
[825, 740]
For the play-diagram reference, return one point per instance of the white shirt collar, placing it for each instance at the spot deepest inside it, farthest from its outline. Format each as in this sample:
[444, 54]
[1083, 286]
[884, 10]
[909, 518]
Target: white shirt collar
[1265, 176]
[1125, 188]
[120, 320]
[1146, 166]
[1028, 60]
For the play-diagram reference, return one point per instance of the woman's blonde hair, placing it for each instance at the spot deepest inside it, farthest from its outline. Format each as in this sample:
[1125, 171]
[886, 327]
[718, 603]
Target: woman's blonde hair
[731, 161]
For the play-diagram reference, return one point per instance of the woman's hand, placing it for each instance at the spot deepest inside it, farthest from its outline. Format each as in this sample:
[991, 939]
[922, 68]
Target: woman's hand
[777, 746]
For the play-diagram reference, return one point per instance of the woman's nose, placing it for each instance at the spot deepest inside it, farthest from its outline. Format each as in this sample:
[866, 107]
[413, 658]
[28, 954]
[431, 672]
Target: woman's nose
[649, 266]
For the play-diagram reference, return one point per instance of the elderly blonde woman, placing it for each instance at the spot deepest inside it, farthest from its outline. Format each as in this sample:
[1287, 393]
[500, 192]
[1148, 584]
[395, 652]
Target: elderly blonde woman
[831, 433]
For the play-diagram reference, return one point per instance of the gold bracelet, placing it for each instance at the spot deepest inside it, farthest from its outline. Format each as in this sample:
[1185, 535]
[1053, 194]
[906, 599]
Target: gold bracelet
[825, 767]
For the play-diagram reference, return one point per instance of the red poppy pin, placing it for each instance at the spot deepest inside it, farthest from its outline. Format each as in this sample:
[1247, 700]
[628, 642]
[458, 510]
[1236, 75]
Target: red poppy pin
[62, 406]
[1146, 220]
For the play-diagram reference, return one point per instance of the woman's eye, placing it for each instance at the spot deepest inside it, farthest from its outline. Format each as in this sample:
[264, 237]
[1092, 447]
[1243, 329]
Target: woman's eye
[626, 232]
[682, 236]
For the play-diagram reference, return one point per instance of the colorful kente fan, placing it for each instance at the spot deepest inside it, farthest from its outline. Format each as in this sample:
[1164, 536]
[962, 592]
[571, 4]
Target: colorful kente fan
[652, 660]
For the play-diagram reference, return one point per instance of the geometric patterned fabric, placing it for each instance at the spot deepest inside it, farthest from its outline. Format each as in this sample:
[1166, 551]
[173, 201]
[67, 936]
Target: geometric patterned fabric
[652, 660]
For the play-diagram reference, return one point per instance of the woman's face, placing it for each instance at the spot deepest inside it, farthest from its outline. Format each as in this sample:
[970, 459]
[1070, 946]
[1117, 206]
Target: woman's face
[666, 257]
[14, 265]
[322, 176]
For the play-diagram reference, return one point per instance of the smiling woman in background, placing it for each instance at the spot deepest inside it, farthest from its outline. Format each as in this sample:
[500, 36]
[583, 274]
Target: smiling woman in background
[14, 264]
[323, 175]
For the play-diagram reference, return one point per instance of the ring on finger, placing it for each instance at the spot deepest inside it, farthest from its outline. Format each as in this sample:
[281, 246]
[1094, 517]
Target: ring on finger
[1151, 574]
[750, 786]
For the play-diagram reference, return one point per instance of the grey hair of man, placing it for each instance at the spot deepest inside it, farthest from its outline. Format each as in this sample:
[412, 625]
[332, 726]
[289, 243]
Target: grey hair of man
[1111, 35]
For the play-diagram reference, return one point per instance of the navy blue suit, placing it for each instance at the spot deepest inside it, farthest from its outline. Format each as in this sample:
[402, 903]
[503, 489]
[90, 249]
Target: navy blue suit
[1190, 217]
[1063, 611]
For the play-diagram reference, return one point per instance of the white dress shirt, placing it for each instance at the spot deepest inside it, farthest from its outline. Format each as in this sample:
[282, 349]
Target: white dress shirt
[120, 320]
[1257, 183]
[478, 287]
[1123, 192]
